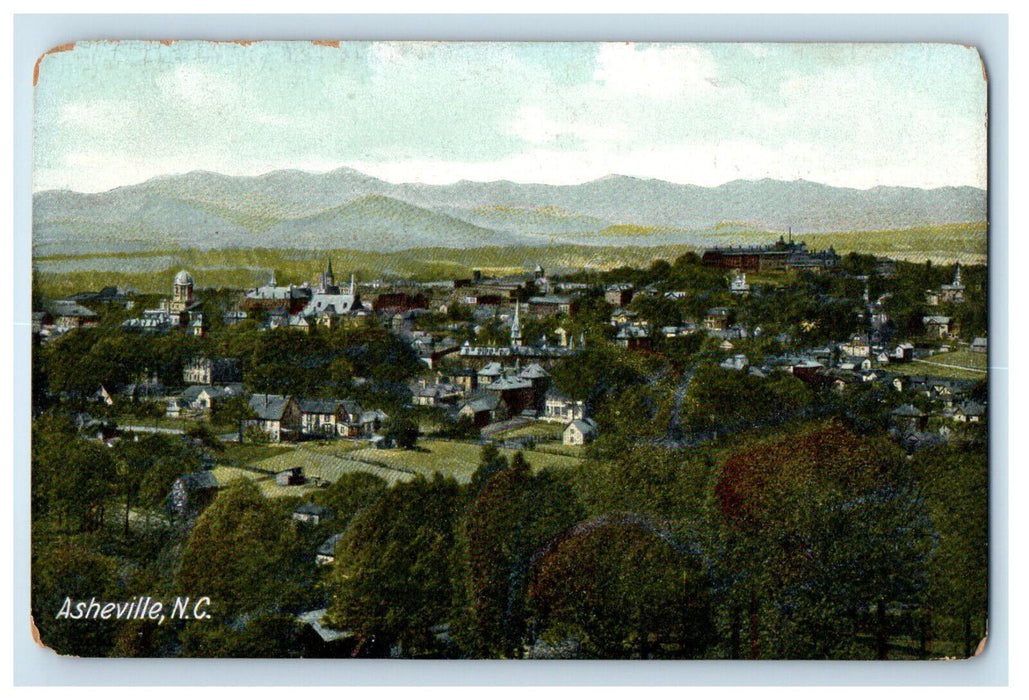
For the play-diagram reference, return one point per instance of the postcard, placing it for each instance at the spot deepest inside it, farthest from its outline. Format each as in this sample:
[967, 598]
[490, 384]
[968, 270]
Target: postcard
[477, 350]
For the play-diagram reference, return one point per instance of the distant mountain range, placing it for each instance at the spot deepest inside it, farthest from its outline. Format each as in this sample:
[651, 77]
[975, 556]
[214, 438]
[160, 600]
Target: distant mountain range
[348, 209]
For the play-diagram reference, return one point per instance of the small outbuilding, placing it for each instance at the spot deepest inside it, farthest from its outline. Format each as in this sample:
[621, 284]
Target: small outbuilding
[313, 514]
[291, 477]
[579, 432]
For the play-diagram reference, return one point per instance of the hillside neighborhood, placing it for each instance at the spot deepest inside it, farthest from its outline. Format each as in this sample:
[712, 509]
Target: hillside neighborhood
[329, 396]
[478, 362]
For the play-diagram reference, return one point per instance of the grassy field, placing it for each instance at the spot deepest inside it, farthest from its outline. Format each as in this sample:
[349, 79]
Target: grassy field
[326, 463]
[150, 270]
[960, 364]
[237, 268]
[321, 463]
[456, 459]
[539, 430]
[557, 448]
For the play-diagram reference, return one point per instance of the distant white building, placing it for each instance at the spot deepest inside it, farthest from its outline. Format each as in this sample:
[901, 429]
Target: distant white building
[739, 285]
[559, 408]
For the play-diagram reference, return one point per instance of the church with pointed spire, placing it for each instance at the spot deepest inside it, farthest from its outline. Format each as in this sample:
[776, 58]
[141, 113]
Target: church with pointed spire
[327, 280]
[953, 293]
[516, 328]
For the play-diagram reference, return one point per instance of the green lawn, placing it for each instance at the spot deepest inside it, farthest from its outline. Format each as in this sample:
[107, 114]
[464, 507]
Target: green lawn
[575, 451]
[960, 364]
[232, 267]
[540, 430]
[456, 459]
[242, 455]
[963, 358]
[321, 463]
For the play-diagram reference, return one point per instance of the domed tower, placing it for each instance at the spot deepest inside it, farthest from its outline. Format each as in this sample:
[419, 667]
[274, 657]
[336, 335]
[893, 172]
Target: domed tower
[182, 292]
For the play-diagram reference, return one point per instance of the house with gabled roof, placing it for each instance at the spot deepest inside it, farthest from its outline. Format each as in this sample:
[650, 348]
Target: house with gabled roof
[907, 417]
[579, 432]
[857, 346]
[559, 408]
[326, 553]
[370, 421]
[632, 337]
[190, 493]
[217, 370]
[937, 326]
[69, 315]
[717, 319]
[969, 412]
[618, 294]
[516, 392]
[320, 416]
[312, 514]
[319, 641]
[736, 362]
[278, 416]
[437, 395]
[483, 409]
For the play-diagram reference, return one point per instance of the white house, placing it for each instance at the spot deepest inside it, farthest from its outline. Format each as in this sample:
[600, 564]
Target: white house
[579, 432]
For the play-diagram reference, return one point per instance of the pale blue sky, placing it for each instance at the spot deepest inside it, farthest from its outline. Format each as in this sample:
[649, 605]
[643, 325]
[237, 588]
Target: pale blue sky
[856, 115]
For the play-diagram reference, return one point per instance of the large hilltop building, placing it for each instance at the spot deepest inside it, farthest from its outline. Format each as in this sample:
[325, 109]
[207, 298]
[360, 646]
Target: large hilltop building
[781, 255]
[180, 311]
[301, 306]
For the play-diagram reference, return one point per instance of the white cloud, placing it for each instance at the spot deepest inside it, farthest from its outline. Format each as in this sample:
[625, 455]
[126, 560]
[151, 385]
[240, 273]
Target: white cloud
[536, 126]
[195, 87]
[99, 115]
[654, 71]
[533, 125]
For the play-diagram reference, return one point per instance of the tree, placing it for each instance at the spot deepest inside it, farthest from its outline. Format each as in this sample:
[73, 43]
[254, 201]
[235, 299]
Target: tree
[623, 590]
[253, 435]
[726, 400]
[490, 463]
[81, 482]
[133, 460]
[512, 516]
[50, 435]
[351, 494]
[240, 555]
[69, 569]
[818, 529]
[462, 429]
[203, 437]
[233, 411]
[402, 431]
[264, 635]
[598, 371]
[392, 580]
[955, 481]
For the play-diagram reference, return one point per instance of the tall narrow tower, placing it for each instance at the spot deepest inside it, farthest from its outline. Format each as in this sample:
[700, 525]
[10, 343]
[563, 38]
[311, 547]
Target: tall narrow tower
[328, 279]
[516, 329]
